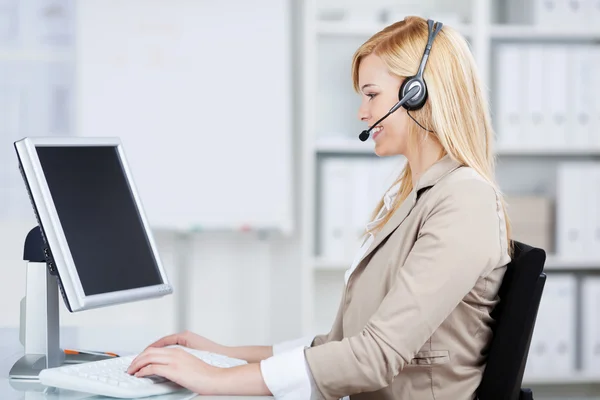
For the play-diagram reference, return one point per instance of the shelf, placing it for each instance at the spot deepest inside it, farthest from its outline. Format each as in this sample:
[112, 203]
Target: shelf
[577, 378]
[355, 146]
[561, 263]
[553, 263]
[549, 151]
[364, 29]
[544, 32]
[42, 55]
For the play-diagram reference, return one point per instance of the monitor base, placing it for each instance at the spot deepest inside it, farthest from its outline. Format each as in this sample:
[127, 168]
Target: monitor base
[39, 330]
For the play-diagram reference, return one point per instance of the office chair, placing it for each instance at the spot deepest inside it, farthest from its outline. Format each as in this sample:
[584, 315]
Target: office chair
[515, 315]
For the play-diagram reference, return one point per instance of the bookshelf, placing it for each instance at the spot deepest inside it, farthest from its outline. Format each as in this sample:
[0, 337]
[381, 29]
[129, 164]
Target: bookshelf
[520, 167]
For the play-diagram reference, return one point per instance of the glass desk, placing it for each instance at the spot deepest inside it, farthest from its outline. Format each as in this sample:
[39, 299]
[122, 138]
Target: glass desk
[18, 390]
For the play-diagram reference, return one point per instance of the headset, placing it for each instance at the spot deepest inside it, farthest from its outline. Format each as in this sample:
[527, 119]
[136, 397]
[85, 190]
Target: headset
[413, 92]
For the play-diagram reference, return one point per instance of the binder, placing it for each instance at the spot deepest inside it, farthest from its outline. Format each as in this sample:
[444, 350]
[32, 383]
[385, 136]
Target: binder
[574, 12]
[580, 109]
[561, 332]
[509, 98]
[590, 325]
[594, 87]
[9, 22]
[547, 12]
[534, 12]
[552, 349]
[335, 209]
[536, 91]
[592, 11]
[593, 213]
[556, 71]
[539, 358]
[571, 220]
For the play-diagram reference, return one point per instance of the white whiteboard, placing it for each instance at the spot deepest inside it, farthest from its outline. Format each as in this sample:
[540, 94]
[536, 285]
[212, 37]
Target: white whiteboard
[199, 91]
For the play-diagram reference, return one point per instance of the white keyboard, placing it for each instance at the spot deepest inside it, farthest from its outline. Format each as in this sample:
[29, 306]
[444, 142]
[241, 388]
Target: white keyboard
[110, 378]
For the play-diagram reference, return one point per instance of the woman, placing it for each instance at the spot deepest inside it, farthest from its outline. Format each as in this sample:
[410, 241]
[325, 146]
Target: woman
[414, 320]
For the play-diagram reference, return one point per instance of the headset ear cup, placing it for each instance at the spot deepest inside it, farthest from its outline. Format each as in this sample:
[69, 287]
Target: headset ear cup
[416, 102]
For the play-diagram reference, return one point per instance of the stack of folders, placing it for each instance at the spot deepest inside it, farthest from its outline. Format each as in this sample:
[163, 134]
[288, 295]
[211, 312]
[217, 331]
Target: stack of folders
[552, 12]
[546, 96]
[349, 192]
[578, 210]
[552, 350]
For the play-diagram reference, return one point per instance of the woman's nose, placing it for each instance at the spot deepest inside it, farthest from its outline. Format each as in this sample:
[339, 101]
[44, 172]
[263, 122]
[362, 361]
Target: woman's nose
[363, 113]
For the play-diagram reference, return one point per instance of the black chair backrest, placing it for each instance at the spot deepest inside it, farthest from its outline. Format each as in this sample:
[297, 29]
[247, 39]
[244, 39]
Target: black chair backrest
[515, 315]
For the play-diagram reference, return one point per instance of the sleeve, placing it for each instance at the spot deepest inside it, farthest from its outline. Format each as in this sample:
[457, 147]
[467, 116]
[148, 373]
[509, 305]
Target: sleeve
[459, 240]
[281, 347]
[287, 375]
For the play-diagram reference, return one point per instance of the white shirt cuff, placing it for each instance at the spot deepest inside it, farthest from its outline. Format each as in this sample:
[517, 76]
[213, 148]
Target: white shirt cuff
[305, 341]
[287, 375]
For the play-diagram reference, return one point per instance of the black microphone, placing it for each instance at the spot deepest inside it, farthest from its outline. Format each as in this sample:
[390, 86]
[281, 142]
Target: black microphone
[364, 135]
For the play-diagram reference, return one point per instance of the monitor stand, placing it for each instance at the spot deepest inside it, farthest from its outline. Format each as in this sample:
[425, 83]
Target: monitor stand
[39, 330]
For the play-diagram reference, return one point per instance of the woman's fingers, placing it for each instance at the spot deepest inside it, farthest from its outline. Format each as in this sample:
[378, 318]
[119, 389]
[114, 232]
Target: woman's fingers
[150, 356]
[155, 369]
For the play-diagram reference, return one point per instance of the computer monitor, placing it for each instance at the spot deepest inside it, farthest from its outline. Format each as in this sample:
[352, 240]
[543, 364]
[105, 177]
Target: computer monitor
[97, 239]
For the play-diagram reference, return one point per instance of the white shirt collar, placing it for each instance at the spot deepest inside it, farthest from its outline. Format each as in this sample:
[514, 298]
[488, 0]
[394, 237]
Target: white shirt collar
[388, 201]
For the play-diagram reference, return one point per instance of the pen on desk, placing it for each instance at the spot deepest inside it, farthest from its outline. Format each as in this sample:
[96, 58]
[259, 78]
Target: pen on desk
[97, 353]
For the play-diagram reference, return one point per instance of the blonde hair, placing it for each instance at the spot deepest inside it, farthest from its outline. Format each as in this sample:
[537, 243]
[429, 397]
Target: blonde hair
[456, 109]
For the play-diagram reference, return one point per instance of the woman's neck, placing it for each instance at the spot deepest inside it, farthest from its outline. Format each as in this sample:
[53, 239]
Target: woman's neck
[428, 153]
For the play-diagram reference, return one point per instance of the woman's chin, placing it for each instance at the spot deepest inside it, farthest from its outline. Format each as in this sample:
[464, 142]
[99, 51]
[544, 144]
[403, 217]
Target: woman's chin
[384, 151]
[381, 149]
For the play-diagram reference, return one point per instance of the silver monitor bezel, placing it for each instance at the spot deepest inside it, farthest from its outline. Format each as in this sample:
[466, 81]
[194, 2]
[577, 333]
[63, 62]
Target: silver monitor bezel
[55, 236]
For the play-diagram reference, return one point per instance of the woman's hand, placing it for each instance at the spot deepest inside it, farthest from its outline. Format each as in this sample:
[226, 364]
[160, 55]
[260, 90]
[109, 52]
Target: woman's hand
[180, 367]
[252, 354]
[191, 340]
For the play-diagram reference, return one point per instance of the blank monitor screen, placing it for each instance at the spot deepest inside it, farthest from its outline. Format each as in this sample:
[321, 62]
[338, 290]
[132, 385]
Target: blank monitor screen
[99, 217]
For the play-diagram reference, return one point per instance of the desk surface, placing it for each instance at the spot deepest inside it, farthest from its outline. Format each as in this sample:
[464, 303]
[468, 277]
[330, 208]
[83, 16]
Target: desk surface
[18, 391]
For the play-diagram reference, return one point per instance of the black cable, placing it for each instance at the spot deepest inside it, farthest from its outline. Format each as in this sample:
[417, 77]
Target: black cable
[417, 122]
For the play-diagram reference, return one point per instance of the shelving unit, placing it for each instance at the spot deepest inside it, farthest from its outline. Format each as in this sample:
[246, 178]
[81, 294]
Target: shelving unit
[36, 97]
[322, 276]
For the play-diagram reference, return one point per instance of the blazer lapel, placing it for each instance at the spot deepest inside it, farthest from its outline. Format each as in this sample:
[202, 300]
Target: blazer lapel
[435, 173]
[395, 221]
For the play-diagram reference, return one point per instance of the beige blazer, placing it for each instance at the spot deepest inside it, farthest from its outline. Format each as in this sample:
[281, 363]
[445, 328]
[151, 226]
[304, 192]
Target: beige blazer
[414, 319]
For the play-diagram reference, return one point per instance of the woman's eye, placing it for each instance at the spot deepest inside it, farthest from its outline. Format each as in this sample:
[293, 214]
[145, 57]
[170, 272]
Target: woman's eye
[371, 95]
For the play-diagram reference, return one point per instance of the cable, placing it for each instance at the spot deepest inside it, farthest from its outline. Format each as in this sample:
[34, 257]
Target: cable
[417, 122]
